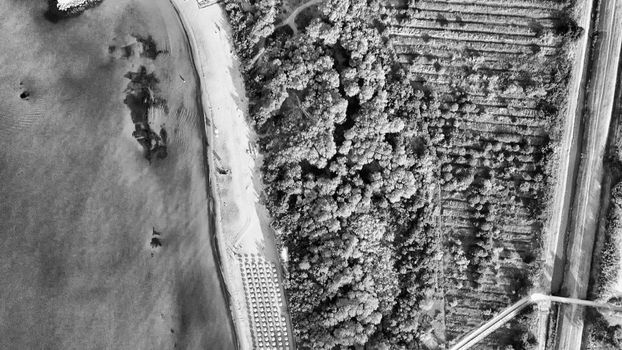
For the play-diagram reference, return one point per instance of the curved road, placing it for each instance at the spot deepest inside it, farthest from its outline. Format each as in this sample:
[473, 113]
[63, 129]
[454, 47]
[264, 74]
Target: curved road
[291, 19]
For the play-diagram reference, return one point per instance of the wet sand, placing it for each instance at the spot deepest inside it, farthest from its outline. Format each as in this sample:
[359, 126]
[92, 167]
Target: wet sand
[79, 199]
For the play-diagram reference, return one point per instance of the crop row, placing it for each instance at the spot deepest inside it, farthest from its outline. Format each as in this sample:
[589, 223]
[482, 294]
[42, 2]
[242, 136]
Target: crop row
[467, 213]
[507, 105]
[502, 102]
[422, 45]
[499, 163]
[526, 4]
[476, 87]
[506, 10]
[483, 18]
[465, 221]
[499, 127]
[519, 117]
[456, 204]
[513, 40]
[459, 218]
[475, 151]
[445, 24]
[452, 63]
[492, 288]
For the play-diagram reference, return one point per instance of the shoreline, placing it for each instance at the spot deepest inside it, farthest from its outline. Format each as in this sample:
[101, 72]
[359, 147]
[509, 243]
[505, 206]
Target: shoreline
[241, 224]
[208, 165]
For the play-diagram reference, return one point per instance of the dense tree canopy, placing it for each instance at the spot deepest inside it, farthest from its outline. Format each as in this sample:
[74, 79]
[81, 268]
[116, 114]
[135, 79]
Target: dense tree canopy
[357, 153]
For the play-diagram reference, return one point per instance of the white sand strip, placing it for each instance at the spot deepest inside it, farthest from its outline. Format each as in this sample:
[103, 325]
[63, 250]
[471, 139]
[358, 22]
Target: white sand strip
[241, 221]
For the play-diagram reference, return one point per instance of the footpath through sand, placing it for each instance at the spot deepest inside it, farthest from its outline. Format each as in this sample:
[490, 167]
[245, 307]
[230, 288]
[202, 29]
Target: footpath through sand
[242, 224]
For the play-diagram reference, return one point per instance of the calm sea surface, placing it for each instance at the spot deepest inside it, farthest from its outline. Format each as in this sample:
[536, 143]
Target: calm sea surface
[79, 202]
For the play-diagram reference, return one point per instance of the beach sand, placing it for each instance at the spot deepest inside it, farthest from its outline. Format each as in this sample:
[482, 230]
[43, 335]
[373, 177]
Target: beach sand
[242, 221]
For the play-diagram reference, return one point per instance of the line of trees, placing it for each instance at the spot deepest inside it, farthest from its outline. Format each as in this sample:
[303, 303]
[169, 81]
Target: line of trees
[601, 334]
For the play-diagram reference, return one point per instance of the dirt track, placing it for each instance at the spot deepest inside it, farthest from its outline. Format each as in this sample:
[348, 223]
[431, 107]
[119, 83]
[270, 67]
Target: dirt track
[585, 209]
[291, 19]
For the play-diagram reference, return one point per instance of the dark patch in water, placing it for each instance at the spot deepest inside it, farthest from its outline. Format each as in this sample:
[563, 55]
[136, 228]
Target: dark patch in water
[141, 95]
[155, 243]
[145, 45]
[127, 51]
[150, 50]
[24, 95]
[54, 15]
[163, 135]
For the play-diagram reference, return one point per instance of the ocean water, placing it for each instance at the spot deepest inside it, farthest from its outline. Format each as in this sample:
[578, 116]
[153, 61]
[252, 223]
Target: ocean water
[79, 202]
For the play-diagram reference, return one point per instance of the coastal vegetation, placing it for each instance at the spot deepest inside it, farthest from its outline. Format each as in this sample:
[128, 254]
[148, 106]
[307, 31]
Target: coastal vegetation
[601, 334]
[408, 153]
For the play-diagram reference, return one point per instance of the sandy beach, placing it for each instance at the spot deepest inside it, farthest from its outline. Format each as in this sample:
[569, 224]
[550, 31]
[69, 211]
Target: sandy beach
[242, 224]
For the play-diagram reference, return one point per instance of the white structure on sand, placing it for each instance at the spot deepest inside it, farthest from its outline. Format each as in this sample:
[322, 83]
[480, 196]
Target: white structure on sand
[265, 303]
[67, 4]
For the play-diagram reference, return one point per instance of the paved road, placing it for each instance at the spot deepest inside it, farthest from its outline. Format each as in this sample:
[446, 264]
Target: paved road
[586, 205]
[567, 169]
[511, 311]
[494, 323]
[569, 154]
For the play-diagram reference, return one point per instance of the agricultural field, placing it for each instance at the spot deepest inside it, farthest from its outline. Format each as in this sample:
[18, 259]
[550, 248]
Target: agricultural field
[500, 71]
[409, 155]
